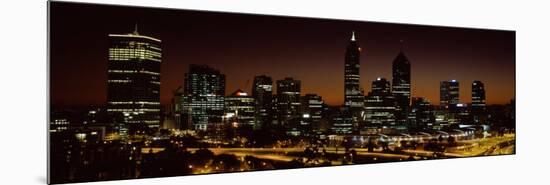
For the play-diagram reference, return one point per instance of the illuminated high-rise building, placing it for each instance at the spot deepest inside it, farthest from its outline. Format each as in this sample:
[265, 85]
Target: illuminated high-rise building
[288, 104]
[312, 112]
[448, 94]
[262, 92]
[353, 94]
[134, 80]
[478, 106]
[401, 86]
[380, 107]
[240, 108]
[203, 98]
[478, 95]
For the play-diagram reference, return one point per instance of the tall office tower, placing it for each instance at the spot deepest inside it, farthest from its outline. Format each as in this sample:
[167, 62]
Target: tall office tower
[203, 99]
[448, 94]
[240, 109]
[478, 102]
[401, 89]
[312, 111]
[422, 114]
[288, 104]
[380, 108]
[353, 94]
[133, 90]
[262, 92]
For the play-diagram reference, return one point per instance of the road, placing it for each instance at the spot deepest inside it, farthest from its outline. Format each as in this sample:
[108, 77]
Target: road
[467, 148]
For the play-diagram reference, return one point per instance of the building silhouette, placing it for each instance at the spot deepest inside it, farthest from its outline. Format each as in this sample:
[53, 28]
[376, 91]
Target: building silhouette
[288, 104]
[353, 94]
[342, 122]
[449, 94]
[422, 114]
[401, 86]
[312, 112]
[133, 82]
[478, 107]
[240, 109]
[262, 92]
[203, 98]
[380, 108]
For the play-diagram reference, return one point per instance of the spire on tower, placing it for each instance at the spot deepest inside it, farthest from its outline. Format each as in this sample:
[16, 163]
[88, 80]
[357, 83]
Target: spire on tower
[401, 45]
[352, 35]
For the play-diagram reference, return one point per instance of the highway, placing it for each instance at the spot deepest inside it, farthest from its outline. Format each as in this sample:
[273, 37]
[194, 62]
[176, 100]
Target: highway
[465, 148]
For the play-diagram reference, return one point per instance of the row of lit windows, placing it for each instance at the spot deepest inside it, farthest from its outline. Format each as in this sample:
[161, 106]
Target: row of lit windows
[126, 54]
[60, 122]
[131, 102]
[119, 81]
[58, 129]
[232, 107]
[401, 92]
[381, 108]
[134, 71]
[205, 105]
[133, 52]
[133, 110]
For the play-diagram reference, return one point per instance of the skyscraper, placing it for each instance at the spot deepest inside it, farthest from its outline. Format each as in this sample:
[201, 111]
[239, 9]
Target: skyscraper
[380, 108]
[312, 109]
[262, 92]
[401, 89]
[478, 95]
[203, 99]
[134, 80]
[478, 102]
[448, 94]
[240, 107]
[288, 103]
[353, 94]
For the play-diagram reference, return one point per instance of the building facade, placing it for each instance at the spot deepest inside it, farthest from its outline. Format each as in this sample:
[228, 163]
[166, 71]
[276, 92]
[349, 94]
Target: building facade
[342, 122]
[422, 114]
[380, 108]
[478, 106]
[288, 104]
[353, 94]
[401, 86]
[240, 109]
[133, 90]
[312, 112]
[203, 98]
[262, 92]
[449, 94]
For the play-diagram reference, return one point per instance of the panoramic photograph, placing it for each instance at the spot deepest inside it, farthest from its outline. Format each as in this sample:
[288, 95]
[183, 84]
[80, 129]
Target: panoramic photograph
[139, 92]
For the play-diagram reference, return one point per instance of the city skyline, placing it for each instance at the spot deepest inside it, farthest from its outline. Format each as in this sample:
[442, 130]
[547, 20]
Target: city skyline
[247, 93]
[313, 53]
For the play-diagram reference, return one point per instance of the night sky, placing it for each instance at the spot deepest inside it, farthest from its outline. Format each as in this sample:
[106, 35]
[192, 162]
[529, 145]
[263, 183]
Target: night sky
[242, 46]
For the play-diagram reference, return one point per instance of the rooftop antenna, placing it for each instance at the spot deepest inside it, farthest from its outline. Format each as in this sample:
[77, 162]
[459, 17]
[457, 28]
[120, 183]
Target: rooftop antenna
[352, 35]
[136, 29]
[401, 45]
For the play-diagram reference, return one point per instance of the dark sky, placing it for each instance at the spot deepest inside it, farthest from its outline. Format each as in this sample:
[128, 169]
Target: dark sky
[242, 46]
